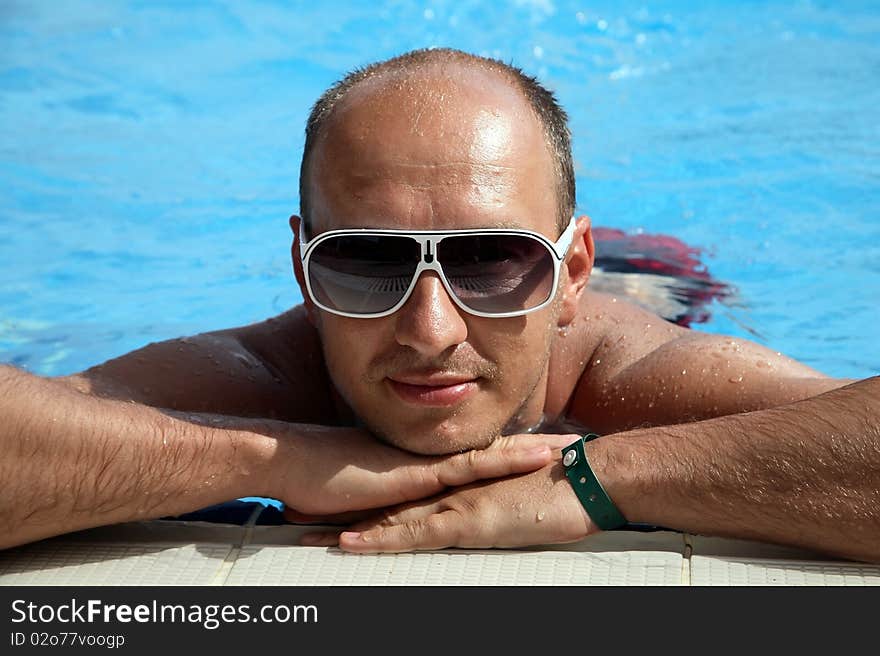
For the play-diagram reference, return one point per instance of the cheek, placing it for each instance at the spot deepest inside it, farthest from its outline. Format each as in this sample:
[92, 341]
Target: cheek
[348, 345]
[519, 352]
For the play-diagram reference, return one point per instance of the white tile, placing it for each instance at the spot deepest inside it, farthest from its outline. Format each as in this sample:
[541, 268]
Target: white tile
[73, 563]
[732, 571]
[320, 566]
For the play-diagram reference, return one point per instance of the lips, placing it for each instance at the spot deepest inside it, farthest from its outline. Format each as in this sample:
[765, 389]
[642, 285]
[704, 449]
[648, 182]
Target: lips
[433, 390]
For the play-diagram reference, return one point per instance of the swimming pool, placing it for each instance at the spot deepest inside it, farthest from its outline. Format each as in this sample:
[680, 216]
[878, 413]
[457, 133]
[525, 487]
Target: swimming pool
[150, 155]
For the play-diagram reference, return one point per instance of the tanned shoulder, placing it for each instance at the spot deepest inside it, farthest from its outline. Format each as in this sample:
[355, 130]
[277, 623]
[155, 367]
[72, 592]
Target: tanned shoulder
[645, 371]
[271, 369]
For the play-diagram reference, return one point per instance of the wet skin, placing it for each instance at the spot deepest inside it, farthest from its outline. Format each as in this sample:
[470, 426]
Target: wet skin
[454, 149]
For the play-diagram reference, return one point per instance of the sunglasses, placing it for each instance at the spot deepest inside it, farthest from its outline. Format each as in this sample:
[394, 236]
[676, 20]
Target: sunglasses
[496, 272]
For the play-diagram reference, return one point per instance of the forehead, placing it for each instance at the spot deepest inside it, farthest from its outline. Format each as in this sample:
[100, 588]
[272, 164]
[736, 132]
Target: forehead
[437, 149]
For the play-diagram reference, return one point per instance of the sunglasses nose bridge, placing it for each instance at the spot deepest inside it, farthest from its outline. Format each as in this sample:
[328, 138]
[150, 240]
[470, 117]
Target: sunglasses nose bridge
[428, 249]
[428, 252]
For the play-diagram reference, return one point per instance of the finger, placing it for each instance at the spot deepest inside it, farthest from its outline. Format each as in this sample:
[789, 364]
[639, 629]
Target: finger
[438, 531]
[320, 539]
[400, 515]
[509, 457]
[554, 441]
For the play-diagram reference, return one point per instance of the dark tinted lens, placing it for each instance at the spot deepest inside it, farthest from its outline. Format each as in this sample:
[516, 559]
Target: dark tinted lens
[497, 273]
[362, 274]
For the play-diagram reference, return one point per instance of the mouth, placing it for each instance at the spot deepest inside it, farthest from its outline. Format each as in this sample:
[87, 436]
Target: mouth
[435, 390]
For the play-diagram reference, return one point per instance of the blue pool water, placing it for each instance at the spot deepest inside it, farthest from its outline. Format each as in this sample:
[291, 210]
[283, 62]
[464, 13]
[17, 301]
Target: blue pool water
[149, 154]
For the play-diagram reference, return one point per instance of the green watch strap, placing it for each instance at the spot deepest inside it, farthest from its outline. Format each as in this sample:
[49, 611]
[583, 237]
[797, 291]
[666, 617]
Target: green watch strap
[587, 487]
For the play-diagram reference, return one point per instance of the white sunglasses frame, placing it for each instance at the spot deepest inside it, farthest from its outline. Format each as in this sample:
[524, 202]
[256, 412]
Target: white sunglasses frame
[428, 262]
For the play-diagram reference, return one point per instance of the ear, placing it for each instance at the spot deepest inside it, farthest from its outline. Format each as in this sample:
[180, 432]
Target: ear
[311, 310]
[577, 265]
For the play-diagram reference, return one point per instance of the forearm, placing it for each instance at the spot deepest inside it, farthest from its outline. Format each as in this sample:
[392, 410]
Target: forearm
[805, 474]
[72, 461]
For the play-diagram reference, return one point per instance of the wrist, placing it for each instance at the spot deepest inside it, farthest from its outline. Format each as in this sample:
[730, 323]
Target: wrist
[616, 463]
[278, 453]
[603, 512]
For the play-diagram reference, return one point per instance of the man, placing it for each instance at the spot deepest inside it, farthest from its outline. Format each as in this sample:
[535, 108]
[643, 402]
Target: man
[447, 304]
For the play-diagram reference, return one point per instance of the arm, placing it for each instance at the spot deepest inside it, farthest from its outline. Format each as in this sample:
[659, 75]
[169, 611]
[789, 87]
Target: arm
[644, 371]
[806, 474]
[75, 459]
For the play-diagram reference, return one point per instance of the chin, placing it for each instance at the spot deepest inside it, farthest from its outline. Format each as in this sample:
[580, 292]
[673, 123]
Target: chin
[441, 438]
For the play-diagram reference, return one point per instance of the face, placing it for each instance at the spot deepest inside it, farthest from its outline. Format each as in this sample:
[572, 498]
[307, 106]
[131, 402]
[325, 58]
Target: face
[442, 150]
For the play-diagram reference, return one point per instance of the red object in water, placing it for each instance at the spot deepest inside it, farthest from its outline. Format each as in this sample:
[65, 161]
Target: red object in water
[658, 272]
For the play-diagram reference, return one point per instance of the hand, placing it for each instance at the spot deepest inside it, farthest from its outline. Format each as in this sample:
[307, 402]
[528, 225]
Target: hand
[534, 508]
[325, 471]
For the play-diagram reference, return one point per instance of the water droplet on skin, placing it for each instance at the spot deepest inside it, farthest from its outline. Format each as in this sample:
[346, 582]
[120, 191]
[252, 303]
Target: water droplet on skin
[245, 360]
[614, 300]
[540, 516]
[684, 372]
[651, 404]
[735, 379]
[598, 361]
[623, 398]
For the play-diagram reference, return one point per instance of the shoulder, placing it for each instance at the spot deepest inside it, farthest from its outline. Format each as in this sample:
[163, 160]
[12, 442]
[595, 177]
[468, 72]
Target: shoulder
[607, 335]
[287, 344]
[642, 370]
[273, 368]
[288, 347]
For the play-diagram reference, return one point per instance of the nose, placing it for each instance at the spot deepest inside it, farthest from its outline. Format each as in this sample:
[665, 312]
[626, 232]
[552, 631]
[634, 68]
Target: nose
[430, 321]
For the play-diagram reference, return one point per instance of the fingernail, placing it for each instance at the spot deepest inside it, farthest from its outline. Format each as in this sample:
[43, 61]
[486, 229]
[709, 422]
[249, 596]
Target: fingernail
[353, 535]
